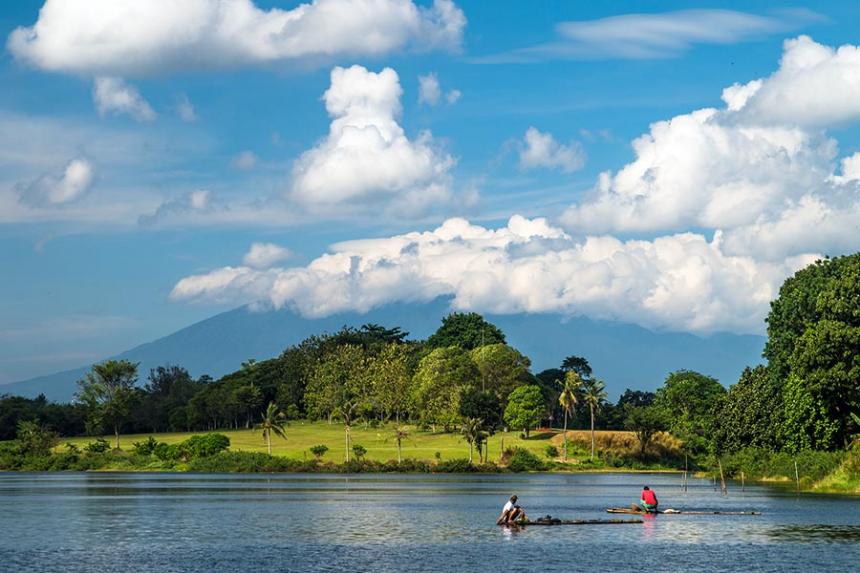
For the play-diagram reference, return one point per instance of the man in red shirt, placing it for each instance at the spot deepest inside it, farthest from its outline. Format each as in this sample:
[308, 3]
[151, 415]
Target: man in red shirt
[648, 500]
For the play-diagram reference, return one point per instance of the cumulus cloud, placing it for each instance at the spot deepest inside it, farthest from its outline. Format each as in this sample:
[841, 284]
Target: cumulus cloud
[264, 255]
[679, 281]
[131, 38]
[194, 202]
[367, 155]
[430, 91]
[764, 178]
[114, 96]
[52, 190]
[244, 161]
[540, 149]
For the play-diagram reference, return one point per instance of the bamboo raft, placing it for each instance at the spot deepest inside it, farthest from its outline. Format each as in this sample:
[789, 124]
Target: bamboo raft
[555, 521]
[630, 511]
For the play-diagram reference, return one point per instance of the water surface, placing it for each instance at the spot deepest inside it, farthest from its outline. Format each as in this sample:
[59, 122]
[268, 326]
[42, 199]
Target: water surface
[210, 523]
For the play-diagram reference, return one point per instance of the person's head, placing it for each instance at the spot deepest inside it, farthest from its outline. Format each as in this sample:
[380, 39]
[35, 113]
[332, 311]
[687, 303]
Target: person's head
[513, 499]
[646, 488]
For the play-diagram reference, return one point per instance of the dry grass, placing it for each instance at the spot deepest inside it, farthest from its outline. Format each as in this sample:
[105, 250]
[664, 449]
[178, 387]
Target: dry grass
[620, 443]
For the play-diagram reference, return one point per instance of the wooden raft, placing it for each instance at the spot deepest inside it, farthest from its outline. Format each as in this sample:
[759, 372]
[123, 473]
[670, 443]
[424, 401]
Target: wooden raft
[629, 511]
[575, 522]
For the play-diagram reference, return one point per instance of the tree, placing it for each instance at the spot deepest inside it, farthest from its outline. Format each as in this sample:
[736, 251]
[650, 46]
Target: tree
[346, 412]
[334, 381]
[390, 377]
[577, 364]
[465, 330]
[439, 381]
[109, 393]
[35, 439]
[594, 396]
[273, 422]
[474, 434]
[688, 399]
[750, 414]
[485, 405]
[645, 422]
[319, 450]
[399, 434]
[525, 407]
[813, 352]
[569, 398]
[501, 368]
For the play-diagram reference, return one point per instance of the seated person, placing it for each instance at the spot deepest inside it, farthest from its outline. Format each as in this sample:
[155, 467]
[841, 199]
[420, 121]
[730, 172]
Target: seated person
[511, 513]
[647, 502]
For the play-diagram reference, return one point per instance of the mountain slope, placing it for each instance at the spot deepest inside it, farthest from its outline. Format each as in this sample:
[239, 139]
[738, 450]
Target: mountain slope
[623, 355]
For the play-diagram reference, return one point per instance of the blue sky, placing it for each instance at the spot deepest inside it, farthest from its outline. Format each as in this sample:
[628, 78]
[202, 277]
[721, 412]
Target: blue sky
[135, 175]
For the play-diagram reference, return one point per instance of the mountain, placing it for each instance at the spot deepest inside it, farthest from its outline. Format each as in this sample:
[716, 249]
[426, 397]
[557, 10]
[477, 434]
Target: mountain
[623, 355]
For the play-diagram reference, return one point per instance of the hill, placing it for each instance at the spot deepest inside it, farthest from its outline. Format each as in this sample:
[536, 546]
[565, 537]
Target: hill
[623, 355]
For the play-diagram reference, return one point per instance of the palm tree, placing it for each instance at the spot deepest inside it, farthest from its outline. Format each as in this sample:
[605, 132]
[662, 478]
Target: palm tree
[595, 394]
[568, 398]
[272, 423]
[399, 434]
[473, 433]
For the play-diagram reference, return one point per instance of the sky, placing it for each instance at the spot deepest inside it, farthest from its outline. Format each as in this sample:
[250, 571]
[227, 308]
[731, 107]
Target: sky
[665, 164]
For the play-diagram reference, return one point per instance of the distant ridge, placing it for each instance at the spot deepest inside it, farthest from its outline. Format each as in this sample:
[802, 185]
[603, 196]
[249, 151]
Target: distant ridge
[623, 355]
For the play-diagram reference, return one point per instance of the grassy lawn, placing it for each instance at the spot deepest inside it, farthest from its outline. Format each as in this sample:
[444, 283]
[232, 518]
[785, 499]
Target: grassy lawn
[380, 444]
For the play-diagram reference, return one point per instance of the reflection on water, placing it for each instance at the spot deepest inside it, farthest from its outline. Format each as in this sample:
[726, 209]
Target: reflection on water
[404, 523]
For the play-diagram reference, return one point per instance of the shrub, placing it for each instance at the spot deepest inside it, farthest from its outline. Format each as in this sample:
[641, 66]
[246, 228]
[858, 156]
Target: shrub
[202, 446]
[100, 446]
[146, 448]
[359, 451]
[551, 451]
[455, 466]
[319, 450]
[522, 460]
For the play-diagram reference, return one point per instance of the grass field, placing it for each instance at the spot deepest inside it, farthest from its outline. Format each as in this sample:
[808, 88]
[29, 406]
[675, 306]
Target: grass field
[380, 444]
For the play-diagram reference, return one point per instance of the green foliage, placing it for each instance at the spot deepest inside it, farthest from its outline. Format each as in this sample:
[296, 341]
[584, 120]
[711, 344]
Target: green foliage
[359, 451]
[100, 445]
[813, 349]
[501, 369]
[319, 450]
[109, 394]
[455, 466]
[337, 379]
[465, 330]
[688, 400]
[483, 405]
[759, 463]
[201, 446]
[551, 452]
[145, 448]
[645, 422]
[579, 365]
[439, 381]
[750, 414]
[525, 407]
[35, 440]
[522, 460]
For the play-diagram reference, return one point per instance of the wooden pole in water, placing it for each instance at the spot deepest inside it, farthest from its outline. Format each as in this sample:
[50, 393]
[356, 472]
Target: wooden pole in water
[743, 484]
[722, 479]
[502, 449]
[686, 469]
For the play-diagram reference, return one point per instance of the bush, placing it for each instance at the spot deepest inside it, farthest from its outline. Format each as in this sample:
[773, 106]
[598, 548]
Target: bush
[455, 466]
[359, 451]
[202, 446]
[551, 452]
[146, 448]
[100, 446]
[319, 450]
[522, 460]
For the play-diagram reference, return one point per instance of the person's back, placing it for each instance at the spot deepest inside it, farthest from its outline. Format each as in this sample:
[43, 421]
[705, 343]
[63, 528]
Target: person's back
[649, 499]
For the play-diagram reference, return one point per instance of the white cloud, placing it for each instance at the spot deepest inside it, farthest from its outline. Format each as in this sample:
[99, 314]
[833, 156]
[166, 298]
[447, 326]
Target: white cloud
[764, 178]
[129, 38]
[265, 255]
[245, 161]
[195, 201]
[50, 190]
[678, 282]
[185, 109]
[114, 96]
[366, 156]
[429, 91]
[660, 35]
[542, 150]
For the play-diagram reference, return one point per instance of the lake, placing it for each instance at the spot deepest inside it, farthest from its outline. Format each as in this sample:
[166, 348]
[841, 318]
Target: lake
[259, 523]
